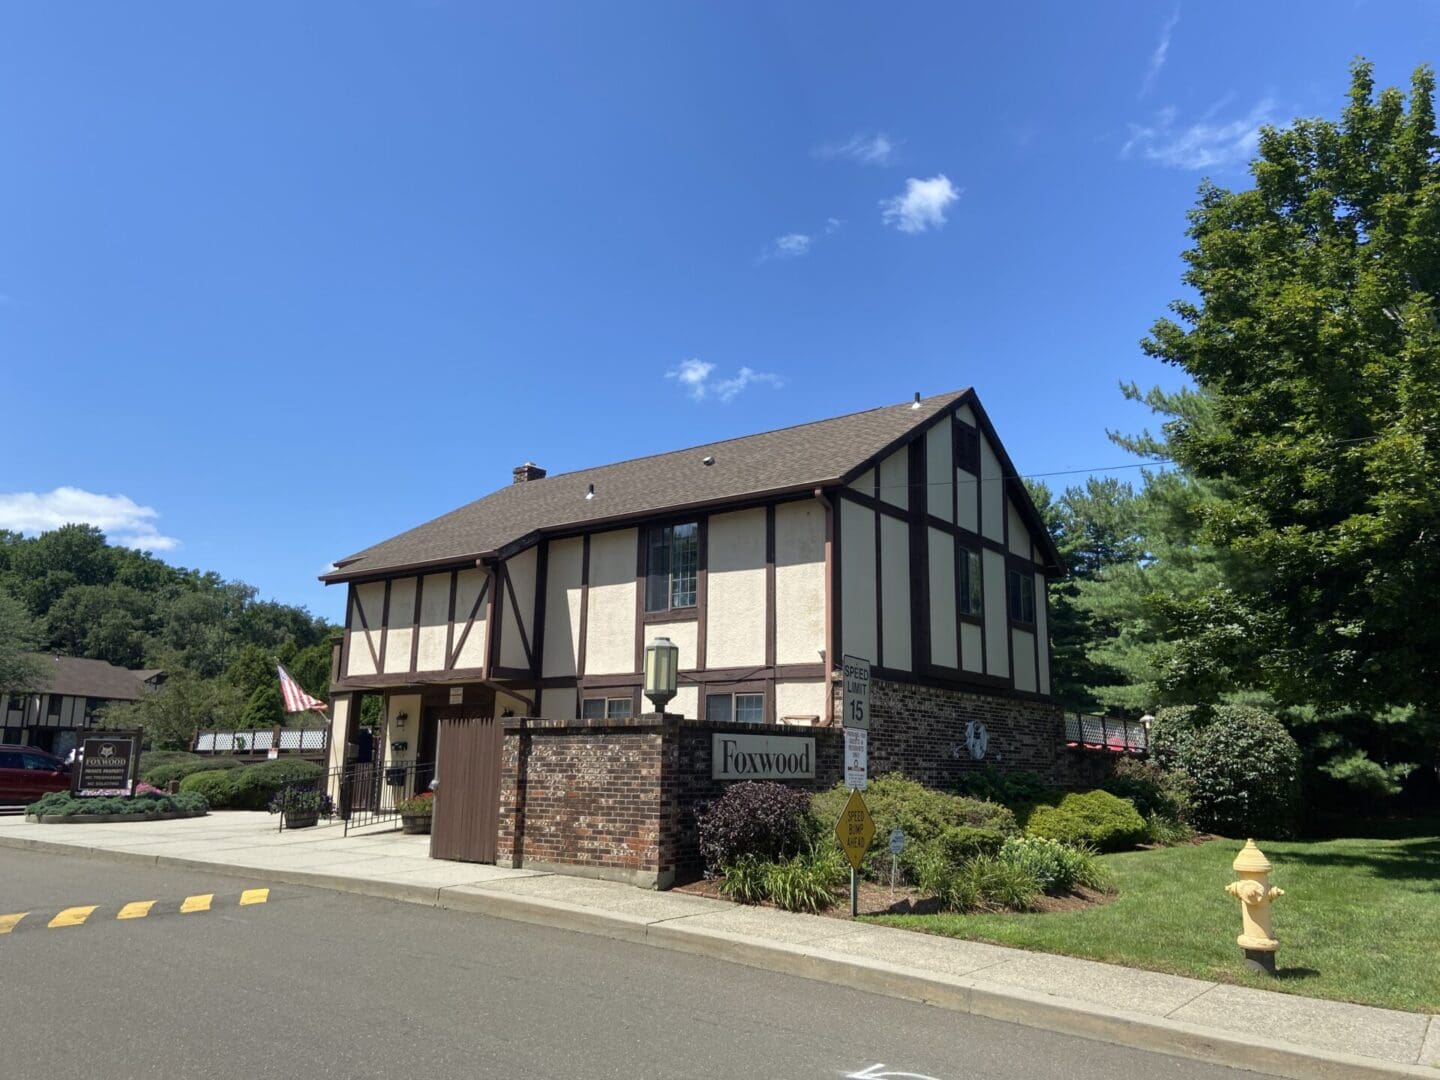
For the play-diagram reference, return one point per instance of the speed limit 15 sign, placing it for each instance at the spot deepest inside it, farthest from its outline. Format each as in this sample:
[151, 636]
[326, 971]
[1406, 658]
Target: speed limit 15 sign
[856, 701]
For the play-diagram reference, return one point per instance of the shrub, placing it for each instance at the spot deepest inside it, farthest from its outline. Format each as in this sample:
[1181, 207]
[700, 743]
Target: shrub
[154, 759]
[960, 842]
[897, 802]
[1153, 790]
[984, 883]
[744, 879]
[256, 785]
[1242, 765]
[1167, 832]
[1057, 867]
[1096, 817]
[422, 805]
[1017, 788]
[767, 820]
[160, 775]
[807, 882]
[63, 804]
[217, 786]
[301, 800]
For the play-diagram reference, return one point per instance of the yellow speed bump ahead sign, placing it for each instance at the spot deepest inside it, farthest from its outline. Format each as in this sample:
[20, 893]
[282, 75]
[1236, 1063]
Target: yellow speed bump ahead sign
[855, 829]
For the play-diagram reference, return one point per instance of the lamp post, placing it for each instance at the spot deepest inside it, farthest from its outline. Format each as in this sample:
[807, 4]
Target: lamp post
[662, 668]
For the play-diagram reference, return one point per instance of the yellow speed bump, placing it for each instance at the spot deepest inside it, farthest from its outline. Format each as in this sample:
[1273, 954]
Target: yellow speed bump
[138, 910]
[196, 903]
[72, 916]
[254, 896]
[9, 922]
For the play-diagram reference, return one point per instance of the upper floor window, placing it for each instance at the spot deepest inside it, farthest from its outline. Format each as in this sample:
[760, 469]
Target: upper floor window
[672, 565]
[615, 708]
[742, 708]
[967, 448]
[971, 598]
[92, 706]
[52, 709]
[1022, 596]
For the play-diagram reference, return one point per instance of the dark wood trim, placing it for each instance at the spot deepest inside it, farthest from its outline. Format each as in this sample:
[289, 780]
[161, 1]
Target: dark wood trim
[642, 545]
[674, 615]
[384, 625]
[365, 626]
[542, 587]
[702, 593]
[584, 605]
[415, 633]
[345, 637]
[485, 590]
[399, 681]
[450, 622]
[501, 673]
[879, 582]
[828, 664]
[716, 676]
[519, 622]
[770, 614]
[837, 580]
[494, 616]
[920, 648]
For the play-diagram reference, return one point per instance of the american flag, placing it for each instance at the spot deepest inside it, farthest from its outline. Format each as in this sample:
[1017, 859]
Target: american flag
[296, 699]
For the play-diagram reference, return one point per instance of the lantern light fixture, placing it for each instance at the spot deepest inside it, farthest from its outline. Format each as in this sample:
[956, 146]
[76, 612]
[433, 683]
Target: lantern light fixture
[662, 670]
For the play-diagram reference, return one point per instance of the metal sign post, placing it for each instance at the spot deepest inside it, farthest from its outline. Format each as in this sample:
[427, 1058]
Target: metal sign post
[854, 831]
[897, 845]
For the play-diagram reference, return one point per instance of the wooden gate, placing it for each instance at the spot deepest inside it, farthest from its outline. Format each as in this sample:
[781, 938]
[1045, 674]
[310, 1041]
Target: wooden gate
[467, 800]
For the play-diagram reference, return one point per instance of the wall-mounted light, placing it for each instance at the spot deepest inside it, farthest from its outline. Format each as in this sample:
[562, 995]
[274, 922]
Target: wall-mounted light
[662, 671]
[400, 719]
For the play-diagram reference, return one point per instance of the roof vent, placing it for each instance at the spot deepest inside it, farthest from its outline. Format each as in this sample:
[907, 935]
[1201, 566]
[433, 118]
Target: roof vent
[528, 471]
[590, 492]
[708, 459]
[916, 403]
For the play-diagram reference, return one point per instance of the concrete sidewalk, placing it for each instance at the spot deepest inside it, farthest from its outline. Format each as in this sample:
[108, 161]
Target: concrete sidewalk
[1282, 1034]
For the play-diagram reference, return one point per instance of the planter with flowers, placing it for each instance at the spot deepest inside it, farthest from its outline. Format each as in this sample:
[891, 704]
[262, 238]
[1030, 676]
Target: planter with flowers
[416, 813]
[301, 807]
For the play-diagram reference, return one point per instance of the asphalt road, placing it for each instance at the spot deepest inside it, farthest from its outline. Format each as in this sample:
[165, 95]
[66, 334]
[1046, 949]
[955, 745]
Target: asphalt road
[314, 984]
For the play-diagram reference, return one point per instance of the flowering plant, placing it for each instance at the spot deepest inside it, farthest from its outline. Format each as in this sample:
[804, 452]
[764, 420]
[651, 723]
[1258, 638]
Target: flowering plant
[143, 788]
[422, 805]
[302, 801]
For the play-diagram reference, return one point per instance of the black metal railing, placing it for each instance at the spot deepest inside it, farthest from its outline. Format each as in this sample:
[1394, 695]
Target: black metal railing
[362, 796]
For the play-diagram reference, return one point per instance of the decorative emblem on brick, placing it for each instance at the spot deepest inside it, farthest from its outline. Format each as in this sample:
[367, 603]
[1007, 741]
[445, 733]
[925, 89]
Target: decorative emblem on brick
[977, 739]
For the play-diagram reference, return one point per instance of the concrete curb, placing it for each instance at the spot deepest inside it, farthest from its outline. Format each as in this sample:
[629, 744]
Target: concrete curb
[964, 994]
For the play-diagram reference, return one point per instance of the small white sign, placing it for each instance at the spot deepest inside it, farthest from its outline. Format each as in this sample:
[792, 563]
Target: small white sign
[856, 701]
[272, 753]
[457, 695]
[897, 841]
[857, 757]
[761, 757]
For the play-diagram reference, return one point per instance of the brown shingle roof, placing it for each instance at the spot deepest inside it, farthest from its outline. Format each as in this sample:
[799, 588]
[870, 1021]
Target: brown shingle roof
[796, 458]
[91, 678]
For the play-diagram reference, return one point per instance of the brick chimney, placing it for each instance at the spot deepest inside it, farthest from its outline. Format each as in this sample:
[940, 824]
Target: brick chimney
[528, 471]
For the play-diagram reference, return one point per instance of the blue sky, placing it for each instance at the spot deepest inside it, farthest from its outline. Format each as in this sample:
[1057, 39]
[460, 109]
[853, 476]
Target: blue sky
[280, 280]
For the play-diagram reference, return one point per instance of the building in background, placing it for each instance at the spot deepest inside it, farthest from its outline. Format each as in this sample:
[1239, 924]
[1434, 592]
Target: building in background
[54, 718]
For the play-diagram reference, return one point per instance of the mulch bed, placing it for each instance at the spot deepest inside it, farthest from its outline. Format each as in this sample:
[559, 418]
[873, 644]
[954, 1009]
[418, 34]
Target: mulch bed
[878, 899]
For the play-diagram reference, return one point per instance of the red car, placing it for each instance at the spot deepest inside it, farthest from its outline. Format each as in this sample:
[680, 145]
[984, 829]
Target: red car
[27, 772]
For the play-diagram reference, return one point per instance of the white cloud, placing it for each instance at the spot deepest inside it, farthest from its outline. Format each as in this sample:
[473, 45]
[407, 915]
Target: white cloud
[694, 376]
[123, 520]
[833, 225]
[790, 246]
[1206, 144]
[1161, 53]
[922, 206]
[874, 149]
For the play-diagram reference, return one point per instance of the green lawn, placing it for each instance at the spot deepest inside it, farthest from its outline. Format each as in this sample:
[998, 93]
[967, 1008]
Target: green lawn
[1360, 919]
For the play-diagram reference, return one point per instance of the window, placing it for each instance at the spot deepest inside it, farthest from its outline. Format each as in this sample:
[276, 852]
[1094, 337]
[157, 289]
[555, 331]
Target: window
[967, 448]
[971, 598]
[17, 703]
[92, 706]
[52, 710]
[743, 708]
[11, 759]
[36, 763]
[671, 567]
[1022, 596]
[615, 708]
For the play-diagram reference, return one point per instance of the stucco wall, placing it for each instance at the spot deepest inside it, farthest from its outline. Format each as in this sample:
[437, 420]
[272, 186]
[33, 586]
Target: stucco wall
[685, 635]
[365, 644]
[401, 624]
[997, 619]
[895, 479]
[944, 645]
[1024, 651]
[468, 584]
[610, 622]
[992, 493]
[799, 582]
[392, 732]
[857, 569]
[735, 633]
[972, 647]
[1019, 534]
[939, 459]
[562, 609]
[559, 703]
[434, 621]
[521, 568]
[799, 698]
[1042, 633]
[895, 592]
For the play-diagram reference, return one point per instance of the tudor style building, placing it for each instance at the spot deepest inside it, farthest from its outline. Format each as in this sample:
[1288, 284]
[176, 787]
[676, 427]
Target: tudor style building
[901, 534]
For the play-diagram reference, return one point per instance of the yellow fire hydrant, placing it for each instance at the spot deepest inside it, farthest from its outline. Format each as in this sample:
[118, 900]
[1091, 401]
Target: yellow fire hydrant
[1255, 894]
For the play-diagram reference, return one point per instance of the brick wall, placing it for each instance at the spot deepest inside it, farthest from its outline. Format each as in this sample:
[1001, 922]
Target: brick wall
[584, 795]
[920, 731]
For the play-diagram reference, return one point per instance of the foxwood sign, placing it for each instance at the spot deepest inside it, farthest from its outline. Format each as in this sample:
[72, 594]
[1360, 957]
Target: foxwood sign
[761, 757]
